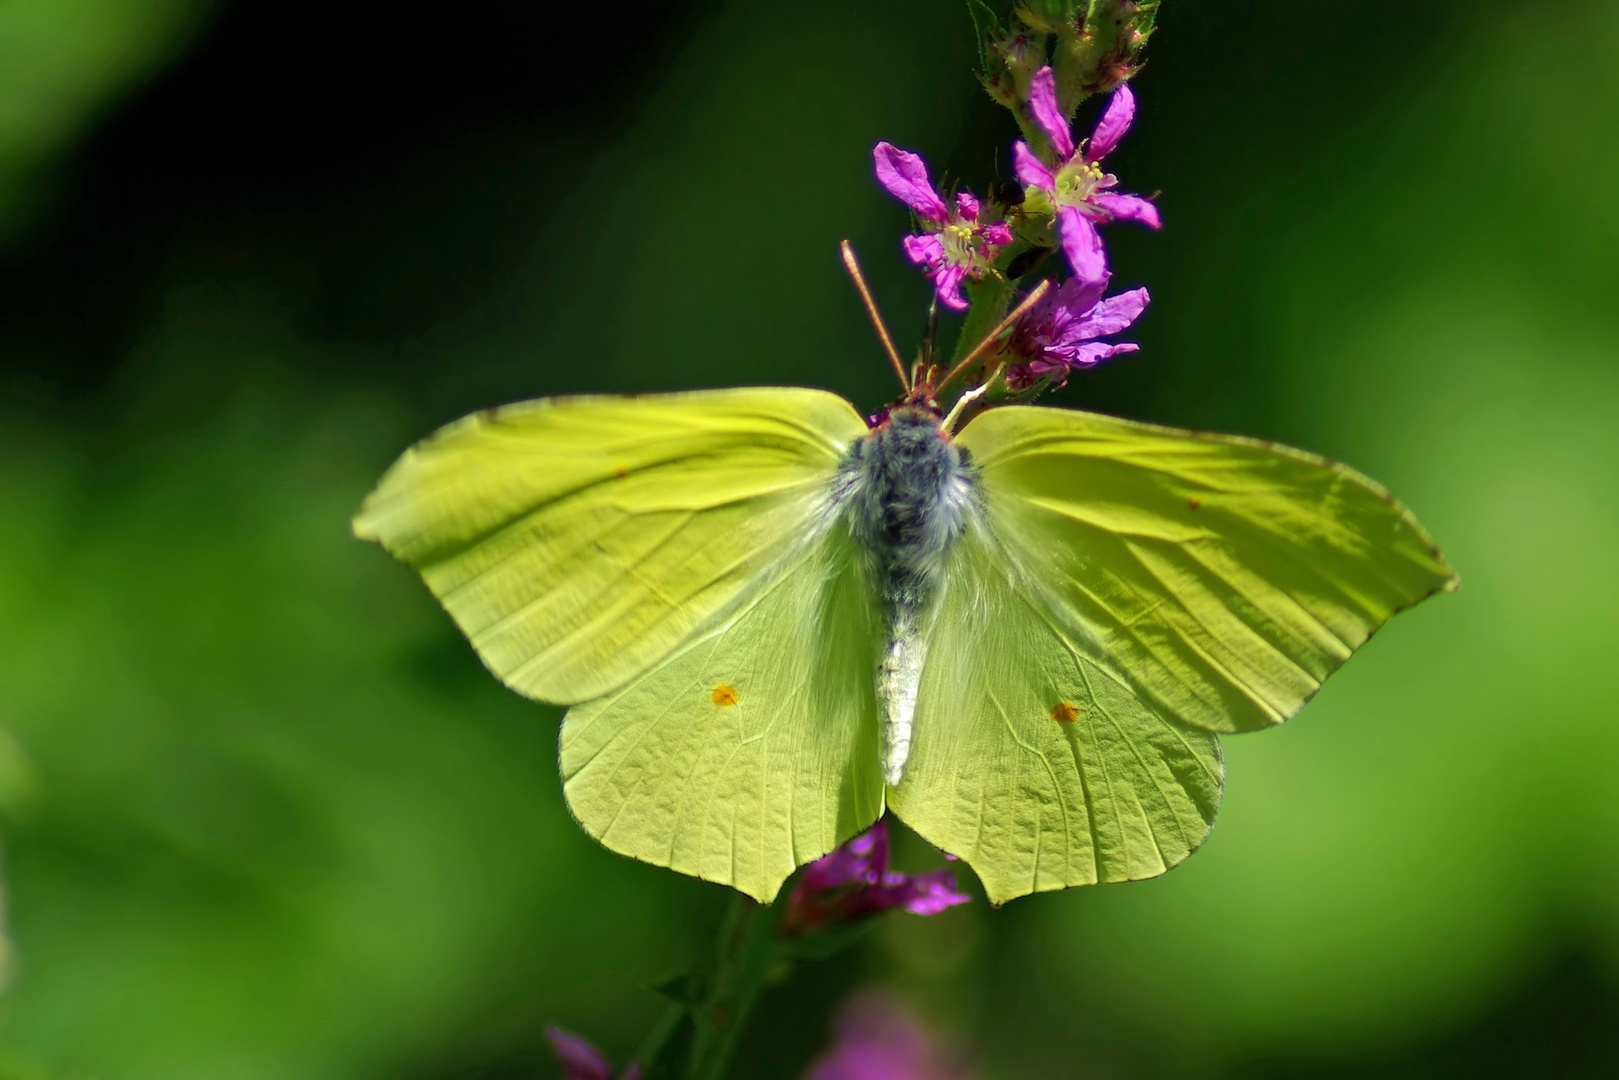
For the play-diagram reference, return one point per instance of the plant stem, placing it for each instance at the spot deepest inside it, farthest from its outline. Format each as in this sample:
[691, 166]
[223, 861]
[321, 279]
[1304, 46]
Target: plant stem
[744, 957]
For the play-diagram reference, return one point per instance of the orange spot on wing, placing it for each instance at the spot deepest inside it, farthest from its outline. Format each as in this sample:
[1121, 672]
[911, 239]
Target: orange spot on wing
[724, 695]
[621, 472]
[1065, 712]
[1195, 503]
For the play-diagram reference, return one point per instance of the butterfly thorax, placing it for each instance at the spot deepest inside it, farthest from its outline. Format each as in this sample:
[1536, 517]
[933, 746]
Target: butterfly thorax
[906, 490]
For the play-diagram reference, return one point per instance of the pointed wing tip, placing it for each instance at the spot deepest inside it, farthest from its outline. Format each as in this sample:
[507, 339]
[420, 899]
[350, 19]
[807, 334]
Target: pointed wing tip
[1452, 580]
[1000, 898]
[364, 525]
[368, 525]
[362, 528]
[1000, 893]
[762, 892]
[763, 897]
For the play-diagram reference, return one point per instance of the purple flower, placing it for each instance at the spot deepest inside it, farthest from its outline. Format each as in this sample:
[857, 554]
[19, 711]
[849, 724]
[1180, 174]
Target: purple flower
[1080, 193]
[957, 244]
[581, 1061]
[879, 1039]
[1059, 333]
[854, 883]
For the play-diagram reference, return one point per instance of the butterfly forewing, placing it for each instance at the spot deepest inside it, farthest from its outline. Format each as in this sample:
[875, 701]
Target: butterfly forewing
[1222, 578]
[577, 541]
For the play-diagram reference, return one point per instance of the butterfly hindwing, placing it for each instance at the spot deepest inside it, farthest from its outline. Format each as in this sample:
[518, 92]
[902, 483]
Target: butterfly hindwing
[751, 750]
[1223, 578]
[1032, 761]
[577, 541]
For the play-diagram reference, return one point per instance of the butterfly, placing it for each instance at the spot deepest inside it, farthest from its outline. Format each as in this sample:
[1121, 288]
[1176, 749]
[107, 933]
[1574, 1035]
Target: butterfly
[771, 621]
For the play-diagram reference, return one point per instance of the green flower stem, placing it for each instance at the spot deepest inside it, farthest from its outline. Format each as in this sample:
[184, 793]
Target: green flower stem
[989, 299]
[745, 959]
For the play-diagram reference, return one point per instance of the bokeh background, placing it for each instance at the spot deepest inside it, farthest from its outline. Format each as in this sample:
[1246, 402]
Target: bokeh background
[265, 815]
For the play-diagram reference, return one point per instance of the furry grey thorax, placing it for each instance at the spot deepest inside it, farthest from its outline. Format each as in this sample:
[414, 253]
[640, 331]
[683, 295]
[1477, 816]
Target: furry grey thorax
[905, 491]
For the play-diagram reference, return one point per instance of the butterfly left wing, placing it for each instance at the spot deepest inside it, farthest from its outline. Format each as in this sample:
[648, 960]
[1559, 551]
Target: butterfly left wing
[1224, 578]
[672, 563]
[751, 750]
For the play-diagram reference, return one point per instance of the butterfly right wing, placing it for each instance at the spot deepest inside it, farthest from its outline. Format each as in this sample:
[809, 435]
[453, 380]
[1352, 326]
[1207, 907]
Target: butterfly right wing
[1033, 762]
[577, 541]
[752, 750]
[1126, 592]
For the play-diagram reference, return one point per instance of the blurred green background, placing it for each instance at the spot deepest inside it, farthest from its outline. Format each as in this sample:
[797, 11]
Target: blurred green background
[266, 816]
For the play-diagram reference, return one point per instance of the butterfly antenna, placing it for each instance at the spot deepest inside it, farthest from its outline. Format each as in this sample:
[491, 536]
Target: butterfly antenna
[853, 266]
[989, 339]
[932, 350]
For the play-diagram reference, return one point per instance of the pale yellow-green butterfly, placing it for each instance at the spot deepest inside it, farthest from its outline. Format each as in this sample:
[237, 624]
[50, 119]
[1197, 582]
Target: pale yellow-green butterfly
[771, 623]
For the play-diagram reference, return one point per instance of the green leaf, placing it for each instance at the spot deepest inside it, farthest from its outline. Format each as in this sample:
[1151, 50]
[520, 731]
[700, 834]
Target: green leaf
[986, 28]
[686, 990]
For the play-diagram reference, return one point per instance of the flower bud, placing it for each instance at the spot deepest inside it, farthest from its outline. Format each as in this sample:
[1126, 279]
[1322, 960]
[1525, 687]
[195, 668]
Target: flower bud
[1051, 16]
[1023, 52]
[1103, 50]
[1008, 56]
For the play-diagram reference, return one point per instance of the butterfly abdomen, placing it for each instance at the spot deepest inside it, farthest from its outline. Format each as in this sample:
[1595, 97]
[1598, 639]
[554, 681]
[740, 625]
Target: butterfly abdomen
[906, 489]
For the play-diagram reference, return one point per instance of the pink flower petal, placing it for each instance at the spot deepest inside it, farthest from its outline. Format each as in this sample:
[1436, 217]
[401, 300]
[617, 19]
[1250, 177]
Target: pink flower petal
[1128, 208]
[999, 234]
[932, 892]
[924, 250]
[1029, 170]
[579, 1060]
[906, 178]
[878, 1039]
[1082, 244]
[1097, 351]
[1076, 296]
[861, 860]
[1116, 120]
[1113, 314]
[967, 206]
[1043, 107]
[947, 283]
